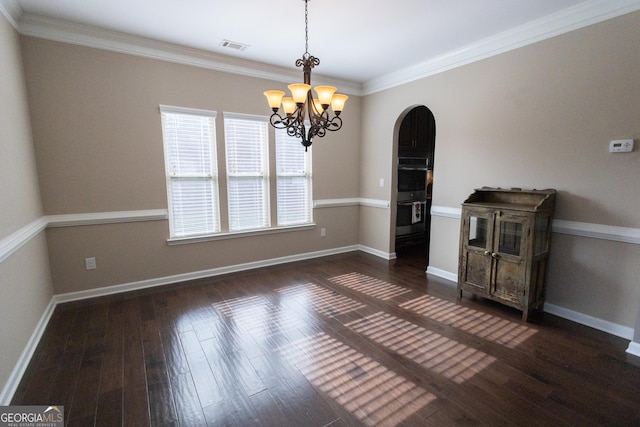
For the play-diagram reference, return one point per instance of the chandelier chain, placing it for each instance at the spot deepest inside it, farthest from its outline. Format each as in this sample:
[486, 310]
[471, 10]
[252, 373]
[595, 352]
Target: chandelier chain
[306, 29]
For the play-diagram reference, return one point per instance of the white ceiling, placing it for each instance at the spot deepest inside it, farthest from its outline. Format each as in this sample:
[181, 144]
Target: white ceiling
[356, 40]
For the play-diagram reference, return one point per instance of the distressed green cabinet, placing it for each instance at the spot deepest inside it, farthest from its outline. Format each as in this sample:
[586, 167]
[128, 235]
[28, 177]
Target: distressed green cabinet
[504, 246]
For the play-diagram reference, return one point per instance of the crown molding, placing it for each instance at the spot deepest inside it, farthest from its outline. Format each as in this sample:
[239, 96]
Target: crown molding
[12, 11]
[573, 18]
[579, 16]
[100, 38]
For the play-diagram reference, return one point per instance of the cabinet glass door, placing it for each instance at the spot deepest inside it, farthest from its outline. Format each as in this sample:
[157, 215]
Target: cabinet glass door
[477, 240]
[478, 232]
[510, 239]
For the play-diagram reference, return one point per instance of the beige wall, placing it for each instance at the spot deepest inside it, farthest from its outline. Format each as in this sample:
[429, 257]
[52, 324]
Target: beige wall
[98, 140]
[25, 282]
[539, 117]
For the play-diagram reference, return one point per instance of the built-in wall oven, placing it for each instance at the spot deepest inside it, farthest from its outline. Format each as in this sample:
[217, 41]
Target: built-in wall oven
[411, 198]
[412, 175]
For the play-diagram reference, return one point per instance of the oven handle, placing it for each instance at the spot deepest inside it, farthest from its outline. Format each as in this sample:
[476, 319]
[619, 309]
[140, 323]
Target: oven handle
[411, 203]
[413, 168]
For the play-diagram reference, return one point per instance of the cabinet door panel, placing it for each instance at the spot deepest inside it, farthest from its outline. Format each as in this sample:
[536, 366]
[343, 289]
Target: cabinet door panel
[509, 257]
[477, 272]
[509, 280]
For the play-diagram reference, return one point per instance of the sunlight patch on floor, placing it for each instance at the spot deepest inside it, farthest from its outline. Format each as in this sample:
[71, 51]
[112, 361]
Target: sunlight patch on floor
[323, 300]
[492, 328]
[439, 354]
[369, 286]
[256, 314]
[367, 389]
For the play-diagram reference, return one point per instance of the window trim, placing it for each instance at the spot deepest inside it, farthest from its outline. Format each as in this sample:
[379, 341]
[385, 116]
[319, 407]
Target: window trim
[174, 241]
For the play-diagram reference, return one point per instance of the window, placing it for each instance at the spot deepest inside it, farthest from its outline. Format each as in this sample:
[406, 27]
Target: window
[254, 201]
[190, 164]
[293, 171]
[246, 142]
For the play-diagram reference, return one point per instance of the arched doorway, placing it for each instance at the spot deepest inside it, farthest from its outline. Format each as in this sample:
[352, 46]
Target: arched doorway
[415, 159]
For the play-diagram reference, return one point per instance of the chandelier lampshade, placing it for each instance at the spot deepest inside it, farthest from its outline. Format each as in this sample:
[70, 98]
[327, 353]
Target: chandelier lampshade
[306, 117]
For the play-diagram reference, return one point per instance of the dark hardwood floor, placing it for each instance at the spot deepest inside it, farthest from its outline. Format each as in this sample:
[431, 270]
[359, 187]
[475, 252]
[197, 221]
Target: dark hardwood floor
[343, 340]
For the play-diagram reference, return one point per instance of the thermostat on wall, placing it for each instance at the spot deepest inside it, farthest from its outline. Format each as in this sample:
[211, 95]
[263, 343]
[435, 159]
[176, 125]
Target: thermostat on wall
[621, 146]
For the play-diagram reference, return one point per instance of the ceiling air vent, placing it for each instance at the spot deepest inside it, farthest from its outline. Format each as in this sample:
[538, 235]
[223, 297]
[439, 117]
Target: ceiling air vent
[233, 45]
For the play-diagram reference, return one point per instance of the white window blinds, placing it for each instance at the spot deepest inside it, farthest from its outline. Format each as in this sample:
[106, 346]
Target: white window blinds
[293, 170]
[246, 142]
[190, 163]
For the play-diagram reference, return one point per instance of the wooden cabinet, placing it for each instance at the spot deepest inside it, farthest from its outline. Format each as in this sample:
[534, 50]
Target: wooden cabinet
[416, 135]
[504, 246]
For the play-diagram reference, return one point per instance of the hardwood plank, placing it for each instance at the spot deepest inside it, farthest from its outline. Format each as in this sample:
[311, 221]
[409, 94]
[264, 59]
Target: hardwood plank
[267, 409]
[205, 383]
[188, 406]
[135, 404]
[161, 401]
[85, 396]
[109, 410]
[162, 410]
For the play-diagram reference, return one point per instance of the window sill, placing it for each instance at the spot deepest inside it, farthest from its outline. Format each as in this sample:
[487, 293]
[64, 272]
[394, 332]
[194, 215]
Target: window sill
[237, 234]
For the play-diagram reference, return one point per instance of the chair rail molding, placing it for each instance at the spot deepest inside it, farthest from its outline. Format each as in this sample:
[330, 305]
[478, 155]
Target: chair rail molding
[20, 237]
[95, 218]
[573, 228]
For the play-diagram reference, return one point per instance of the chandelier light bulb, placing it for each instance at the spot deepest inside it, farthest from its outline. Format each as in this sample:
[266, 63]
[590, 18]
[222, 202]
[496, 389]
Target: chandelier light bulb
[288, 105]
[325, 93]
[318, 105]
[274, 98]
[337, 102]
[299, 92]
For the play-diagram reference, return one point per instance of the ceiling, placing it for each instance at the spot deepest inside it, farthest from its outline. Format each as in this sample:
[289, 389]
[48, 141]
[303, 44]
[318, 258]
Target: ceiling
[356, 40]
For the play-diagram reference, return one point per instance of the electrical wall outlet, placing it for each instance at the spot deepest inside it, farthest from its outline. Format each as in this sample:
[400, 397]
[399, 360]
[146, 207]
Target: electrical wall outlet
[90, 263]
[323, 232]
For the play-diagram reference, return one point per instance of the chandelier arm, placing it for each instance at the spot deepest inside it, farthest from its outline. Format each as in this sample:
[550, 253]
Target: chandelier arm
[335, 124]
[277, 121]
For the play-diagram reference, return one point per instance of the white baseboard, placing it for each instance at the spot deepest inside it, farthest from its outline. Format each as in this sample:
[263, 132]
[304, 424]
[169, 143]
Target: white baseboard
[593, 322]
[15, 377]
[443, 274]
[381, 254]
[634, 348]
[203, 274]
[583, 319]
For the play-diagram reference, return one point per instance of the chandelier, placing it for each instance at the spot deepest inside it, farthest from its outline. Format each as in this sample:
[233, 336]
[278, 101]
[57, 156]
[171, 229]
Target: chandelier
[301, 109]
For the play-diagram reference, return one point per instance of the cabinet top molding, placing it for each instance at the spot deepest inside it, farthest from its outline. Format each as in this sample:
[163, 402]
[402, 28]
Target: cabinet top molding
[513, 198]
